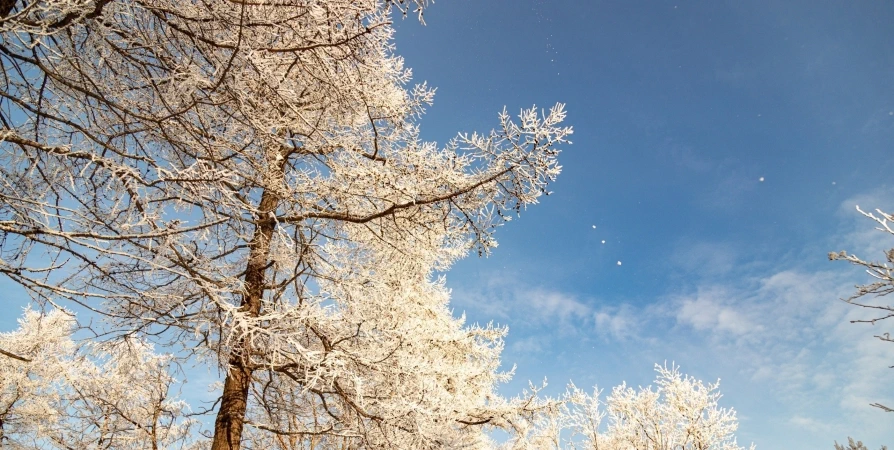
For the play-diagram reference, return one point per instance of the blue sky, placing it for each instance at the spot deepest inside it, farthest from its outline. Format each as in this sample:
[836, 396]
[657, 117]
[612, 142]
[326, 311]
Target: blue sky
[679, 109]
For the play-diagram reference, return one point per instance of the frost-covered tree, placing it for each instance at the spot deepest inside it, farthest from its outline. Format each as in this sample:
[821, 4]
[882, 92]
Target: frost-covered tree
[54, 394]
[243, 183]
[851, 445]
[867, 296]
[680, 413]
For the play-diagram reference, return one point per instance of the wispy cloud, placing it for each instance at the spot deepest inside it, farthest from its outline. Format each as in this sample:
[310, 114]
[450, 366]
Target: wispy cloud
[710, 309]
[704, 258]
[530, 344]
[504, 297]
[547, 313]
[783, 324]
[687, 157]
[549, 306]
[809, 423]
[778, 325]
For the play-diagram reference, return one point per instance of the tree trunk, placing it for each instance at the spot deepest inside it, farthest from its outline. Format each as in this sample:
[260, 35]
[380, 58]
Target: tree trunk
[230, 417]
[234, 400]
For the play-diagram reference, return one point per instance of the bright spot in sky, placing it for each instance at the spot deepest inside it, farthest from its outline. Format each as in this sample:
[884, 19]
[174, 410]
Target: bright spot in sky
[833, 182]
[603, 241]
[619, 263]
[594, 227]
[761, 179]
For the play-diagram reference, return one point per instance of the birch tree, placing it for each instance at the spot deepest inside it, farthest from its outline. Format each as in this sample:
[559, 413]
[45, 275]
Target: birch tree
[243, 183]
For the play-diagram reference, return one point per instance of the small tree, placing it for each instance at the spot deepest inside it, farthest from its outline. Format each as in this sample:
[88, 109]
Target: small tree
[883, 272]
[851, 445]
[681, 413]
[54, 394]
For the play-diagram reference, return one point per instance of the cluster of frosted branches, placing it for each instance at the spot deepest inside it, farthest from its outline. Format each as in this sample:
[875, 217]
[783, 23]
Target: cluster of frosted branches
[867, 295]
[680, 413]
[56, 395]
[851, 445]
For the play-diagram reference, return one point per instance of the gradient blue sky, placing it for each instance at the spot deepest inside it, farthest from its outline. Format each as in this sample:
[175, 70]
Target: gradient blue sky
[679, 109]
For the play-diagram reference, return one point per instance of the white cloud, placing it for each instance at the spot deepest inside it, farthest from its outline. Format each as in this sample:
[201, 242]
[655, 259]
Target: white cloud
[774, 324]
[548, 306]
[808, 423]
[618, 323]
[786, 328]
[550, 312]
[704, 258]
[528, 345]
[710, 310]
[504, 296]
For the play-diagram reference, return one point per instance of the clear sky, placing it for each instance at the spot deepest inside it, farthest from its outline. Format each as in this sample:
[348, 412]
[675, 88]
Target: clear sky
[680, 110]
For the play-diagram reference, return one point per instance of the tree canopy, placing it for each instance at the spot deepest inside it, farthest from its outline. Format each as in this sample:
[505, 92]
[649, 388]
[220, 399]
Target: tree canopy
[244, 182]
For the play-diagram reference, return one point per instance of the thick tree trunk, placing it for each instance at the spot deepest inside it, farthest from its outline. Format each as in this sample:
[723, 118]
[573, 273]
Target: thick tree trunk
[230, 417]
[234, 400]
